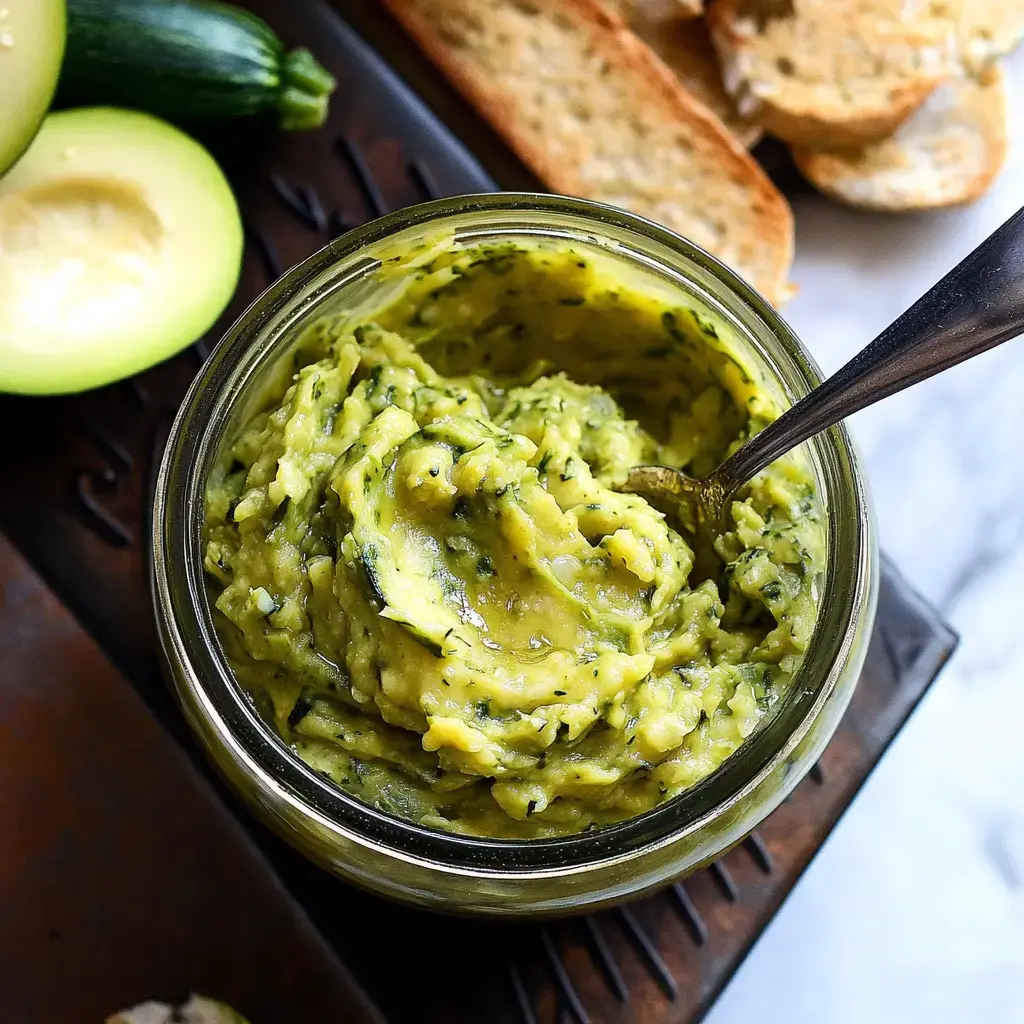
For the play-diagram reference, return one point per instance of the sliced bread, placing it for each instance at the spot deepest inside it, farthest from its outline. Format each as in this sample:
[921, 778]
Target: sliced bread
[592, 112]
[948, 152]
[686, 49]
[985, 30]
[832, 72]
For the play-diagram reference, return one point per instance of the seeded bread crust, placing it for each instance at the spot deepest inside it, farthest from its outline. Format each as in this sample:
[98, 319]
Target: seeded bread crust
[589, 108]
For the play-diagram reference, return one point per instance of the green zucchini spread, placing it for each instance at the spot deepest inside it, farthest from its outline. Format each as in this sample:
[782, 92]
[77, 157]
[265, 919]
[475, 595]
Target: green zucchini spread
[431, 588]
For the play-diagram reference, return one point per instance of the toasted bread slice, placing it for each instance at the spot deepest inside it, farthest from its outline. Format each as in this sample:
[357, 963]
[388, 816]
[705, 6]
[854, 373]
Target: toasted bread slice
[686, 49]
[947, 153]
[832, 72]
[593, 113]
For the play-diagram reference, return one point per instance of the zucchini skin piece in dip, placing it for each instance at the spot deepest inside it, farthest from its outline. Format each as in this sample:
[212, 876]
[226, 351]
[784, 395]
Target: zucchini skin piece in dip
[425, 577]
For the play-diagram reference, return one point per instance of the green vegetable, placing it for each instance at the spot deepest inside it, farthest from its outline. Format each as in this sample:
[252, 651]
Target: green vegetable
[189, 60]
[31, 46]
[198, 1010]
[120, 244]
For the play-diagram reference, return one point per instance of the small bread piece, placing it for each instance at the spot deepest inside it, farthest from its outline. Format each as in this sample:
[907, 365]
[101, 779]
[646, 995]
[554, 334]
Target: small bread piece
[686, 49]
[985, 30]
[832, 72]
[659, 10]
[593, 113]
[947, 153]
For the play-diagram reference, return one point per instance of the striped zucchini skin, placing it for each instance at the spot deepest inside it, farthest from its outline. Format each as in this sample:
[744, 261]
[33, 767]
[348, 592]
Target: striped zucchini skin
[184, 60]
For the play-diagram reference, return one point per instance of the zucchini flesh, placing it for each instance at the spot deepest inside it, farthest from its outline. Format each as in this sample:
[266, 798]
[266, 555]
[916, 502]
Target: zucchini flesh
[123, 244]
[189, 60]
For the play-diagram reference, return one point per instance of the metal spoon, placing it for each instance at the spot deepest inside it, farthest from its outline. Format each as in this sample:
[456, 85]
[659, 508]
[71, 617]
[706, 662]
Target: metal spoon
[979, 304]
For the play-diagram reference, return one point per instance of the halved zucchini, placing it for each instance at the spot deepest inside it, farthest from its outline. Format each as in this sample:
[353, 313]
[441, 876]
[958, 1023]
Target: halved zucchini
[32, 36]
[120, 243]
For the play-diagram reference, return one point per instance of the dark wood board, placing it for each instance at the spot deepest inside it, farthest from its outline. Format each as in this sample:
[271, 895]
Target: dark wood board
[122, 877]
[82, 478]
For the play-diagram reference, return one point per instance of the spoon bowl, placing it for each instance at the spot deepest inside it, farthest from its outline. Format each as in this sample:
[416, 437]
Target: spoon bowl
[699, 505]
[979, 304]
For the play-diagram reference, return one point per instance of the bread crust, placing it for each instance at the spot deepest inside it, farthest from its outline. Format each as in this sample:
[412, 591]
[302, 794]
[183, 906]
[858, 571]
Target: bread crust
[947, 154]
[809, 115]
[684, 46]
[759, 245]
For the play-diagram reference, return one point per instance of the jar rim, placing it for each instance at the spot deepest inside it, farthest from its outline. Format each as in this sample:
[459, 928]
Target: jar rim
[179, 592]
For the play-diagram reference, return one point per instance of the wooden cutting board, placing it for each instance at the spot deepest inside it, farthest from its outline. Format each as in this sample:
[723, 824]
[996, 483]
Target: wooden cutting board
[122, 877]
[76, 504]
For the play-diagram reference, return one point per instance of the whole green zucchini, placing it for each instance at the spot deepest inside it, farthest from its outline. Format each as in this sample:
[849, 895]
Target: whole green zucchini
[188, 60]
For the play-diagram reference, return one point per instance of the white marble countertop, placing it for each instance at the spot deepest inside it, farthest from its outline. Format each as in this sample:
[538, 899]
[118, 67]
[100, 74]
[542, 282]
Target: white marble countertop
[914, 910]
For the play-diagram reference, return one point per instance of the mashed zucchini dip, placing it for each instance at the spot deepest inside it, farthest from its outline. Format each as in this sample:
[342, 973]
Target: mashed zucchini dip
[429, 585]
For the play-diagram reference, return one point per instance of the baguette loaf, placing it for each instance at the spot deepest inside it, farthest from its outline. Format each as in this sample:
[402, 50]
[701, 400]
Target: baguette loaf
[593, 113]
[946, 153]
[832, 72]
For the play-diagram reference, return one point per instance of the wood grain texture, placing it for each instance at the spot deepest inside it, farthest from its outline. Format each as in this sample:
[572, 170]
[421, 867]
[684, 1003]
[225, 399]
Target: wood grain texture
[122, 877]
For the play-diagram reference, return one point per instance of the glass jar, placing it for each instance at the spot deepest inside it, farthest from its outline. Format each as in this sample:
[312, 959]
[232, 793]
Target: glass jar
[450, 872]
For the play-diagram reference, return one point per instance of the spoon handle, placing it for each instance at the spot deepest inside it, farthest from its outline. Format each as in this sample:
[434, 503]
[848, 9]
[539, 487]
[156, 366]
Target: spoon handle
[979, 304]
